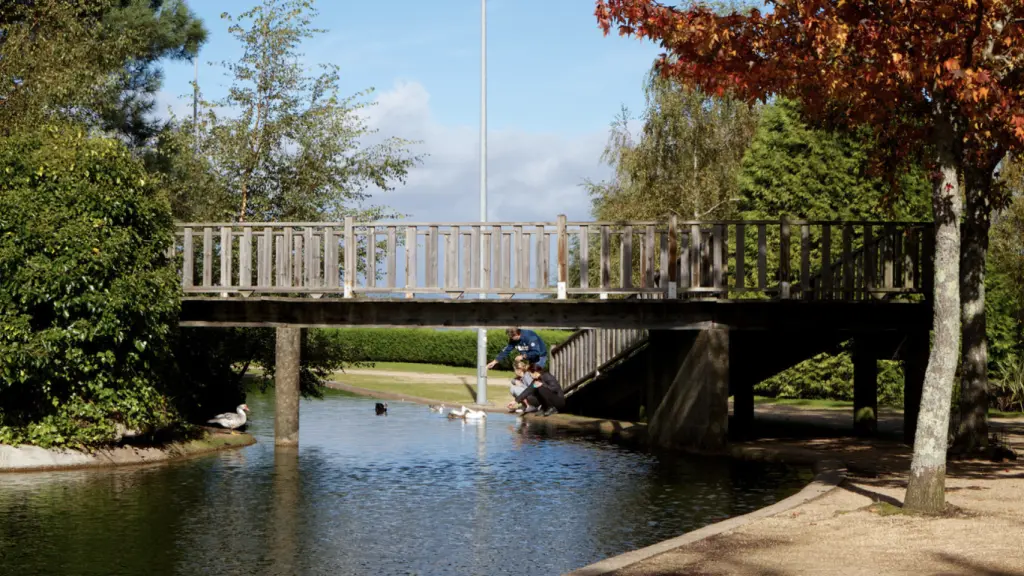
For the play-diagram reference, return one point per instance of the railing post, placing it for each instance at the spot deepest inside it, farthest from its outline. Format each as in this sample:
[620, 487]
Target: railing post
[563, 258]
[673, 256]
[784, 255]
[350, 266]
[225, 259]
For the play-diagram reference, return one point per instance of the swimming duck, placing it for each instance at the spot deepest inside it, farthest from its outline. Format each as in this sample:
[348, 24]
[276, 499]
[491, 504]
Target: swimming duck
[437, 408]
[381, 408]
[467, 414]
[230, 420]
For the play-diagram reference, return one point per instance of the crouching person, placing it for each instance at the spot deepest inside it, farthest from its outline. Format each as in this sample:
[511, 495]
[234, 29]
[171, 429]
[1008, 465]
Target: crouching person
[520, 383]
[542, 393]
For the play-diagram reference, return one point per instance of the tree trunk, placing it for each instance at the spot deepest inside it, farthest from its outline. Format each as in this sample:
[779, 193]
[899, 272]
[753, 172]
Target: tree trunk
[972, 433]
[926, 488]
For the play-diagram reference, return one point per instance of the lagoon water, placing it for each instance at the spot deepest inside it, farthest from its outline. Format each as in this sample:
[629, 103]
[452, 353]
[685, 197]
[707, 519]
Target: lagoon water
[409, 493]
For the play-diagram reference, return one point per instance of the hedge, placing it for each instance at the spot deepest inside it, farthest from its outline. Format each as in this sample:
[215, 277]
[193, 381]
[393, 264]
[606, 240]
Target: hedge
[425, 345]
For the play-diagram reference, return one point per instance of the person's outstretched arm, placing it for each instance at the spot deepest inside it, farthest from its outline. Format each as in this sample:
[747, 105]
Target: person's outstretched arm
[501, 356]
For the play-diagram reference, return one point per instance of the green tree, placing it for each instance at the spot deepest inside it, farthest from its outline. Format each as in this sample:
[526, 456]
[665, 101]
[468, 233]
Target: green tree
[286, 145]
[94, 61]
[88, 299]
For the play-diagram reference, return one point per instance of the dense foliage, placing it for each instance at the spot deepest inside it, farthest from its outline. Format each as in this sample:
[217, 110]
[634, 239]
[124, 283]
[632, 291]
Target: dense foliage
[88, 300]
[425, 345]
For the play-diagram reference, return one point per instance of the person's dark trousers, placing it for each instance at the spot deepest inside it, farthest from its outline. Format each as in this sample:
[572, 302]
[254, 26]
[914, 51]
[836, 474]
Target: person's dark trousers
[551, 398]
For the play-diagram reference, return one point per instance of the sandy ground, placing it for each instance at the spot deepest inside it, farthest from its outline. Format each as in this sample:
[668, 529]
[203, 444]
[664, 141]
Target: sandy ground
[847, 531]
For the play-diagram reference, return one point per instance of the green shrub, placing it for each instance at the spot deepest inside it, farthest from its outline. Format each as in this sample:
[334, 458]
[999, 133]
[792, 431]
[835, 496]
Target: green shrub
[87, 297]
[426, 345]
[830, 377]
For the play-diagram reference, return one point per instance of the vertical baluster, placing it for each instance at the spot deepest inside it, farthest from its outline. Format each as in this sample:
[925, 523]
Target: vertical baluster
[207, 257]
[498, 263]
[805, 261]
[899, 239]
[188, 263]
[606, 267]
[245, 259]
[486, 260]
[541, 260]
[848, 274]
[663, 261]
[563, 258]
[392, 256]
[870, 259]
[451, 260]
[741, 256]
[431, 257]
[281, 260]
[371, 257]
[888, 252]
[287, 260]
[584, 257]
[330, 258]
[673, 256]
[308, 258]
[649, 260]
[928, 261]
[506, 257]
[695, 255]
[225, 258]
[297, 260]
[410, 258]
[684, 261]
[350, 264]
[474, 261]
[626, 258]
[910, 275]
[262, 260]
[718, 248]
[784, 255]
[546, 280]
[826, 261]
[313, 271]
[762, 257]
[468, 260]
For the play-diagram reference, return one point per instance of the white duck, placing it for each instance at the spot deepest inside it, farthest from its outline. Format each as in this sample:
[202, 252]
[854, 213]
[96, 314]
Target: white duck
[467, 414]
[230, 420]
[437, 408]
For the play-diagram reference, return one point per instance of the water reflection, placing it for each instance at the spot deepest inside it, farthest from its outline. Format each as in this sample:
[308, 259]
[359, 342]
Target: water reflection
[409, 493]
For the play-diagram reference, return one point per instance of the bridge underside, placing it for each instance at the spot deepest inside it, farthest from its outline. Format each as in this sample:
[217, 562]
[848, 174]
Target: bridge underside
[806, 316]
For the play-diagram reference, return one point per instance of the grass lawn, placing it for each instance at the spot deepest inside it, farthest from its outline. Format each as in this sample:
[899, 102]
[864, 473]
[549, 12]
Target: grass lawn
[434, 369]
[805, 402]
[441, 392]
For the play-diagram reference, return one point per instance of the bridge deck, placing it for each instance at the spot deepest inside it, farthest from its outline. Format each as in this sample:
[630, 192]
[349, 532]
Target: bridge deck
[824, 316]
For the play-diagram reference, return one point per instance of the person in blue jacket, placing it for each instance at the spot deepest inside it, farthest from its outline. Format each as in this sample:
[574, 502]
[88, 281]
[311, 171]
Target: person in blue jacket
[529, 346]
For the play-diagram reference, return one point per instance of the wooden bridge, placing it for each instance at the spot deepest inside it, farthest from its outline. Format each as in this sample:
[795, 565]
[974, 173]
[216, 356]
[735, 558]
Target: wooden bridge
[785, 289]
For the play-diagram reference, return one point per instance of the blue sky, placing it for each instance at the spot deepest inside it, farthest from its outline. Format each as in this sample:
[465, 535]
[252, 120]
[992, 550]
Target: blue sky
[554, 85]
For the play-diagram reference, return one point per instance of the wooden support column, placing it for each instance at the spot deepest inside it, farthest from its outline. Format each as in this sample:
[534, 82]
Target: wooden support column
[286, 386]
[741, 387]
[865, 387]
[915, 361]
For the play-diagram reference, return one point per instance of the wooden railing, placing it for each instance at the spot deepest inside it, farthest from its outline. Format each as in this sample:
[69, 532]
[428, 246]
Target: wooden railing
[668, 259]
[586, 353]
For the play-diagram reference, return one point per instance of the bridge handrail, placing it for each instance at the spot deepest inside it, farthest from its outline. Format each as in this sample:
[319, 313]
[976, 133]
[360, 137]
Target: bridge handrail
[669, 259]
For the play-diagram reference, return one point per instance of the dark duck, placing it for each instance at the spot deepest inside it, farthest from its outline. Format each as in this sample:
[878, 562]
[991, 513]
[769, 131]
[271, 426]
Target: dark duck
[382, 408]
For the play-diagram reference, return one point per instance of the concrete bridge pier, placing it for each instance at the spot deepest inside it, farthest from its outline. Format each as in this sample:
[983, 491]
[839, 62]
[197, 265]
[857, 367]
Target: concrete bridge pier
[286, 386]
[865, 386]
[688, 382]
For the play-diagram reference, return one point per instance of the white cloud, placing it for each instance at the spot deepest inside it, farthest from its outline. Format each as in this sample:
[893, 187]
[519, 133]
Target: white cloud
[531, 176]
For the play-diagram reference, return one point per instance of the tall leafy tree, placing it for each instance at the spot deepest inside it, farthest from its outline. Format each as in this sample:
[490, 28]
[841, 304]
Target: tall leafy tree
[286, 145]
[937, 77]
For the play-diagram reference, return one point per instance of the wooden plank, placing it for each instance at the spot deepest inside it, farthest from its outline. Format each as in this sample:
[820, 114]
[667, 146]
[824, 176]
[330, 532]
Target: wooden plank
[888, 253]
[451, 259]
[188, 263]
[784, 255]
[542, 260]
[485, 253]
[392, 257]
[762, 257]
[207, 257]
[899, 239]
[371, 257]
[606, 267]
[673, 250]
[870, 259]
[684, 261]
[741, 255]
[309, 270]
[848, 277]
[663, 261]
[268, 270]
[468, 251]
[262, 260]
[225, 256]
[287, 256]
[245, 259]
[330, 258]
[518, 248]
[805, 261]
[432, 257]
[695, 255]
[350, 265]
[626, 257]
[563, 253]
[584, 256]
[498, 262]
[313, 271]
[649, 257]
[506, 257]
[281, 270]
[410, 256]
[473, 261]
[297, 260]
[546, 280]
[718, 248]
[826, 262]
[911, 255]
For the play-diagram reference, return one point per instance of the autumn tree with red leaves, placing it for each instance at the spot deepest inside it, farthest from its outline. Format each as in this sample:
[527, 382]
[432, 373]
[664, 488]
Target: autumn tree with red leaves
[941, 78]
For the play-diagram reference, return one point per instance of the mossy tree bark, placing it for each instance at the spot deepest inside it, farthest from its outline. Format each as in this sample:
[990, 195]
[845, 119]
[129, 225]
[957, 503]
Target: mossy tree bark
[926, 488]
